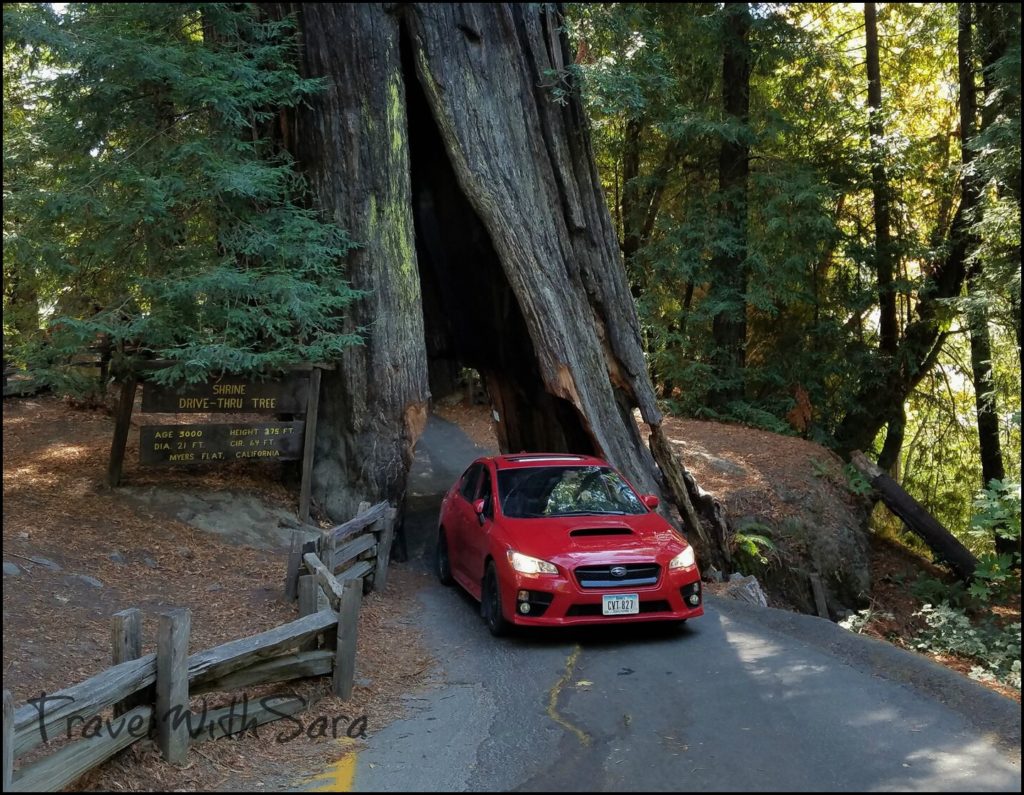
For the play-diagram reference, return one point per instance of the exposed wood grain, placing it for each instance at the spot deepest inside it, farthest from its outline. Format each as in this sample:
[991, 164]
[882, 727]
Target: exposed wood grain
[820, 600]
[216, 663]
[55, 772]
[299, 665]
[8, 739]
[327, 581]
[126, 644]
[357, 523]
[348, 627]
[80, 701]
[387, 536]
[352, 549]
[360, 569]
[294, 564]
[308, 588]
[172, 678]
[244, 715]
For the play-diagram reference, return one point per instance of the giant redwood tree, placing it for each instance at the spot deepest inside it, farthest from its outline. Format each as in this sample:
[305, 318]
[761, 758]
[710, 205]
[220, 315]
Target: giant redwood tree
[440, 145]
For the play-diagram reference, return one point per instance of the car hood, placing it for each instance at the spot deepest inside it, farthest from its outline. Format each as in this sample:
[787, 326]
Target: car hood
[581, 540]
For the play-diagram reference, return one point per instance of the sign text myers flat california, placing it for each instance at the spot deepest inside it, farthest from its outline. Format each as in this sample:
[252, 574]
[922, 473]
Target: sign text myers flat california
[234, 395]
[198, 444]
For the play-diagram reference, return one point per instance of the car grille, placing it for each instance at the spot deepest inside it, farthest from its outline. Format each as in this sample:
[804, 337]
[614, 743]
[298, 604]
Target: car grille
[652, 606]
[637, 574]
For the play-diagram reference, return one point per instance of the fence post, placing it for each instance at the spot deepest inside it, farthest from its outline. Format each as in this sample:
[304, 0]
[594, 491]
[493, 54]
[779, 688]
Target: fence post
[8, 740]
[294, 565]
[348, 625]
[126, 644]
[172, 684]
[308, 589]
[384, 541]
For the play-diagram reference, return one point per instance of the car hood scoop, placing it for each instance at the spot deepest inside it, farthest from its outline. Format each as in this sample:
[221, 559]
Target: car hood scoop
[583, 532]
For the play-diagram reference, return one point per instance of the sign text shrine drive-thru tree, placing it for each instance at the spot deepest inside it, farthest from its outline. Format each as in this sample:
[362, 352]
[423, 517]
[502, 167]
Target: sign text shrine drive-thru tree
[446, 144]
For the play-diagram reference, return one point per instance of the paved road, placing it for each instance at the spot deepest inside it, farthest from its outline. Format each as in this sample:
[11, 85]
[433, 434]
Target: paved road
[742, 699]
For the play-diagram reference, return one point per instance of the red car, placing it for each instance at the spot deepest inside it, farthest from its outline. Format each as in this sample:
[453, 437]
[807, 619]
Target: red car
[550, 539]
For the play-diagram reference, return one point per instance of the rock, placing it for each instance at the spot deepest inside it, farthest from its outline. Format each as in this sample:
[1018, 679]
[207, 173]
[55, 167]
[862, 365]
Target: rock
[11, 570]
[186, 553]
[713, 574]
[117, 557]
[363, 681]
[149, 562]
[215, 587]
[89, 580]
[745, 589]
[46, 563]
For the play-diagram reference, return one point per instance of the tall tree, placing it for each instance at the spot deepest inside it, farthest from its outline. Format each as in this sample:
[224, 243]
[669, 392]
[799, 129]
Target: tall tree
[485, 189]
[729, 265]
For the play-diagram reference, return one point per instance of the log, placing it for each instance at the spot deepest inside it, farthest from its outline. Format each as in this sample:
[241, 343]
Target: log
[352, 549]
[939, 540]
[212, 664]
[357, 523]
[330, 585]
[240, 717]
[55, 772]
[80, 701]
[820, 600]
[300, 665]
[172, 684]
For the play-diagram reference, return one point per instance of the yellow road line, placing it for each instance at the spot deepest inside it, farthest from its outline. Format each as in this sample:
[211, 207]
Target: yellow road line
[340, 776]
[553, 713]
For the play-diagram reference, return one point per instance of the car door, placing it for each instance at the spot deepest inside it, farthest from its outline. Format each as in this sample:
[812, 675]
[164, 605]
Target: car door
[477, 537]
[462, 520]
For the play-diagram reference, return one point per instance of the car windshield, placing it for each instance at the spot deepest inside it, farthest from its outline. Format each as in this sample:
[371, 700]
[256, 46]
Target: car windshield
[565, 491]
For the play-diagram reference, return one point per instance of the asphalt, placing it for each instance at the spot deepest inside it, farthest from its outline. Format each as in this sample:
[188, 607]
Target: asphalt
[741, 699]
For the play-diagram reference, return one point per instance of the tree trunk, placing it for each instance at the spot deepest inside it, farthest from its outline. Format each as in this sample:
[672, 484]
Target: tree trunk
[437, 147]
[942, 542]
[729, 326]
[884, 266]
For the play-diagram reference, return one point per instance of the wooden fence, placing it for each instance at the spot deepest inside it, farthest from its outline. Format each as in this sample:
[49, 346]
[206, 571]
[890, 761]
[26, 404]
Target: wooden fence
[150, 693]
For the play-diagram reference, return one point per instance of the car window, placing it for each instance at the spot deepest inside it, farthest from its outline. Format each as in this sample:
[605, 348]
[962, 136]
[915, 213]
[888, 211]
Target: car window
[485, 494]
[470, 481]
[565, 491]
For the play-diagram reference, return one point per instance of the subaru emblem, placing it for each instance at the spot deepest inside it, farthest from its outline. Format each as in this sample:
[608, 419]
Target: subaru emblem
[618, 571]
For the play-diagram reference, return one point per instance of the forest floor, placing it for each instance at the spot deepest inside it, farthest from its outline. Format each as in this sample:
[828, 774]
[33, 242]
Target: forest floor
[708, 446]
[75, 552]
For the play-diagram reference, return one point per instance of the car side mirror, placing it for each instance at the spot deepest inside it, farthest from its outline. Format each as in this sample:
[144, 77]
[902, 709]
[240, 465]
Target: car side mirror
[479, 506]
[651, 501]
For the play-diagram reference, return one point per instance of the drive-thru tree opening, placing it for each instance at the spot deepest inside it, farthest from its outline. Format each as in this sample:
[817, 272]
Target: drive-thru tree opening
[486, 243]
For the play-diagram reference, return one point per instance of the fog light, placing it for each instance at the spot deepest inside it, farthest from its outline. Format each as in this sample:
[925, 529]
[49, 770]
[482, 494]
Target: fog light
[694, 599]
[524, 608]
[524, 596]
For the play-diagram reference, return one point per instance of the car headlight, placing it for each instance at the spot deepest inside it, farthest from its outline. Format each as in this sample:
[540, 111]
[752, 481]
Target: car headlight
[683, 560]
[524, 564]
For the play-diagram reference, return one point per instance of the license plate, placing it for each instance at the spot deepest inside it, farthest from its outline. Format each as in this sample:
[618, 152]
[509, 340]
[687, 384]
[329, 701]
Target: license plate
[620, 604]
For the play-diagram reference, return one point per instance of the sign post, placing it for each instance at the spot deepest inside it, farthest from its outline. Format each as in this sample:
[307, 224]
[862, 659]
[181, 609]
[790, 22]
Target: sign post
[213, 443]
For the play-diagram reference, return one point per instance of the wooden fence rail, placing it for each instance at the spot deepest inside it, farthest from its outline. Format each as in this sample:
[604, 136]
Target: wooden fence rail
[150, 691]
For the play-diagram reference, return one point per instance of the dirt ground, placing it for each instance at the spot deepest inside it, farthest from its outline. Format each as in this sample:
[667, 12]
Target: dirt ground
[730, 461]
[84, 551]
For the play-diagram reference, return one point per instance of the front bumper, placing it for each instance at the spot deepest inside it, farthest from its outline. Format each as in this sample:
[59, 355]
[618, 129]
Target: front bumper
[557, 600]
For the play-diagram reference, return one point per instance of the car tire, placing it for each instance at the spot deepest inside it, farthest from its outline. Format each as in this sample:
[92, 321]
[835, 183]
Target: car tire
[442, 563]
[490, 604]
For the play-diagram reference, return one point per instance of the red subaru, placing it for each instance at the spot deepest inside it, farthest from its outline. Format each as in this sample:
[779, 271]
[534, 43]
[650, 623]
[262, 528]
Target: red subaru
[550, 539]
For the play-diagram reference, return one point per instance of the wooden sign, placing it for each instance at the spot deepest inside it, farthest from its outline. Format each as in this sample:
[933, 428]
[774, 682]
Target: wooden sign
[234, 395]
[198, 444]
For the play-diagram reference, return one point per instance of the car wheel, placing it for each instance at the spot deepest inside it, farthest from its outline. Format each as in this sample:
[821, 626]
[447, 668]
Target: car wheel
[491, 603]
[443, 563]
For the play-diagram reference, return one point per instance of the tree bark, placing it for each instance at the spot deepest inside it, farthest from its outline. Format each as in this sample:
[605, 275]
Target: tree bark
[884, 265]
[437, 147]
[729, 326]
[942, 542]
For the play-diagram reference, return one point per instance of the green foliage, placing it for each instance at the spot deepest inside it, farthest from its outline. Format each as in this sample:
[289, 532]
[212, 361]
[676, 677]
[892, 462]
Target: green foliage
[146, 201]
[754, 547]
[996, 649]
[860, 621]
[856, 482]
